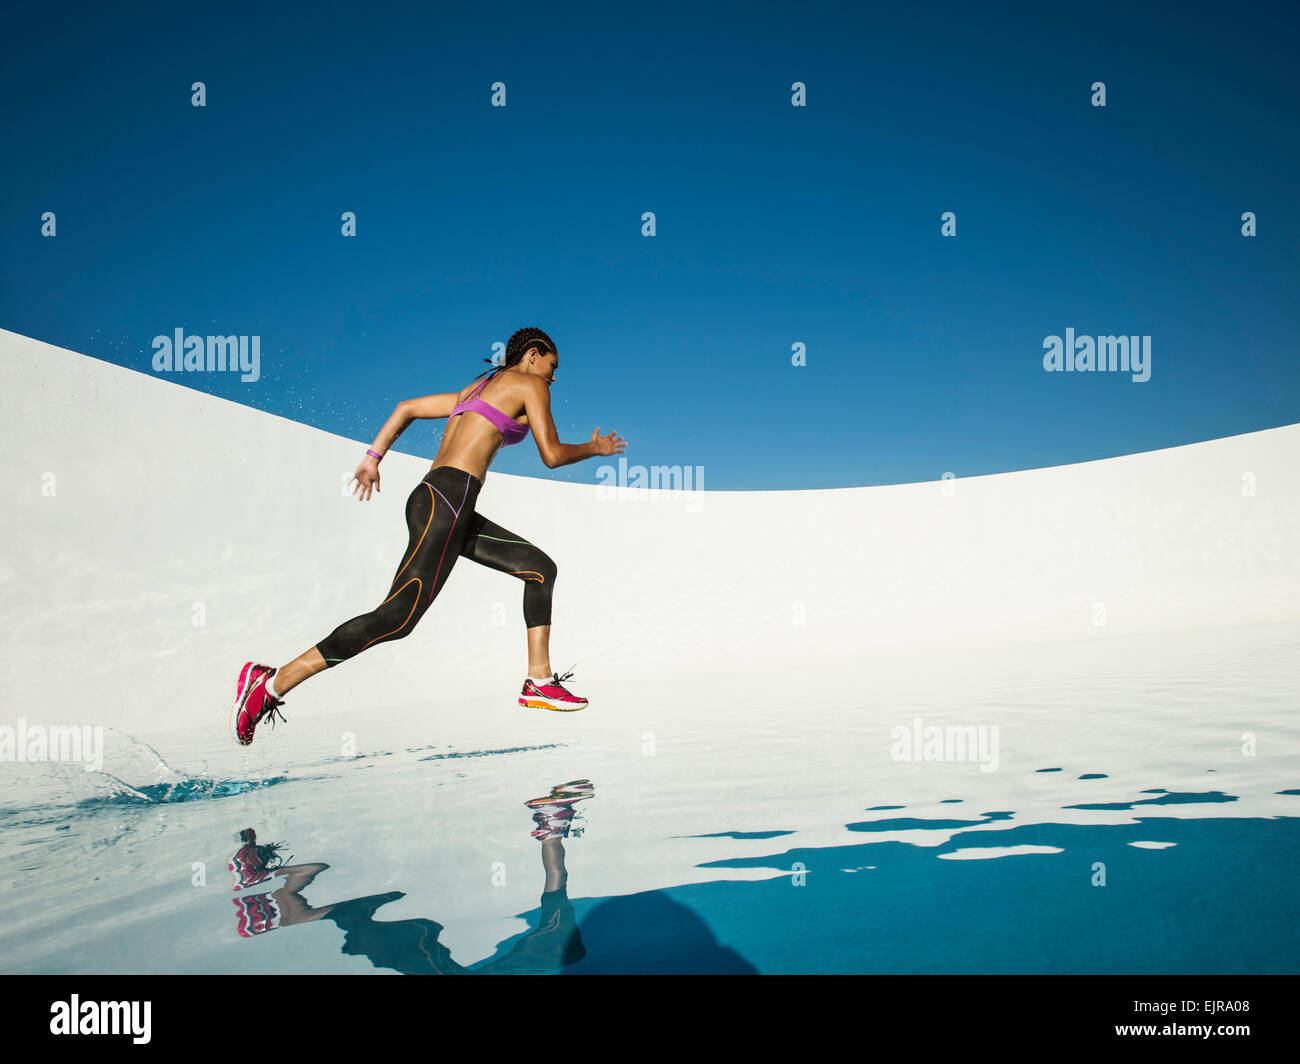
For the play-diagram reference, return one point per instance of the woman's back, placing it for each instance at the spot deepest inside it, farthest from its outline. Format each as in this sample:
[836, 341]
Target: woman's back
[483, 421]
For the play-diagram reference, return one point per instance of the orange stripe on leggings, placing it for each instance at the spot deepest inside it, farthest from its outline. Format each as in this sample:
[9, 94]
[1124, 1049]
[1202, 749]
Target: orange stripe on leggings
[432, 507]
[419, 591]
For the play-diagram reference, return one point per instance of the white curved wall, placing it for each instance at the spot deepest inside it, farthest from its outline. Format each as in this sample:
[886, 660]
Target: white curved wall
[167, 501]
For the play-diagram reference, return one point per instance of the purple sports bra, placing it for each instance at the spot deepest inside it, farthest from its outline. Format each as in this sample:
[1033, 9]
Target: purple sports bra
[510, 429]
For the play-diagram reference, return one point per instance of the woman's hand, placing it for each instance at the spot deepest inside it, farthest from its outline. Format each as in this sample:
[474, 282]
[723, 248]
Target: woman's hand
[366, 477]
[610, 444]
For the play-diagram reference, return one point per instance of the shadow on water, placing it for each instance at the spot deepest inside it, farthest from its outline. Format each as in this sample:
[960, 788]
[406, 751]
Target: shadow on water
[653, 934]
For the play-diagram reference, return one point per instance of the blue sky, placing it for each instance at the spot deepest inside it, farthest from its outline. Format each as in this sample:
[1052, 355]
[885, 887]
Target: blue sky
[776, 224]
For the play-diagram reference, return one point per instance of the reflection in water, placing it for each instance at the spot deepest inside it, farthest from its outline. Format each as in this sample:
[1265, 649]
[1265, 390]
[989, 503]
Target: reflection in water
[411, 946]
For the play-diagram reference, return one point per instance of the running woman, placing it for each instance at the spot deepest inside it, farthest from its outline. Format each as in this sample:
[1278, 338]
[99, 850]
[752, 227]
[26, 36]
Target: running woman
[444, 525]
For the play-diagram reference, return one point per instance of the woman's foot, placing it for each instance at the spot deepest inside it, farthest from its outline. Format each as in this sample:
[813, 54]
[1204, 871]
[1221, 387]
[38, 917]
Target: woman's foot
[550, 694]
[253, 702]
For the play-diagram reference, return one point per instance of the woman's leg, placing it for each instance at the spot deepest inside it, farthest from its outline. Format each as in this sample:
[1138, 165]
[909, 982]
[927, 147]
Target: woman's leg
[498, 548]
[438, 516]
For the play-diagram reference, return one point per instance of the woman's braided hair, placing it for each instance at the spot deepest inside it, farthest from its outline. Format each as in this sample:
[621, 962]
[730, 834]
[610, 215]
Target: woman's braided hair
[520, 342]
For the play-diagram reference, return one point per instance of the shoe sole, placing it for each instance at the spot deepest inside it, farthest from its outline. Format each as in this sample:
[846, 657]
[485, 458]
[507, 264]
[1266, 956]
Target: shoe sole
[241, 697]
[234, 709]
[532, 703]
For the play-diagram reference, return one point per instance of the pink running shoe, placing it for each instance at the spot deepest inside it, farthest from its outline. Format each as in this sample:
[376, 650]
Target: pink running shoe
[253, 702]
[255, 914]
[554, 816]
[550, 694]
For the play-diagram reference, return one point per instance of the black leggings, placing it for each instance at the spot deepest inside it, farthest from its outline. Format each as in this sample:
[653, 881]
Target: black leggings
[443, 526]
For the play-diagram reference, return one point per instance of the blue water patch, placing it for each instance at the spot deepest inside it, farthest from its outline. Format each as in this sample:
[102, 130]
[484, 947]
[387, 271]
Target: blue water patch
[912, 824]
[1167, 798]
[1045, 913]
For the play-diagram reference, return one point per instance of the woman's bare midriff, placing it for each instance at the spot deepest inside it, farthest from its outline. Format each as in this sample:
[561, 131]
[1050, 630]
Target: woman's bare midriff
[470, 441]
